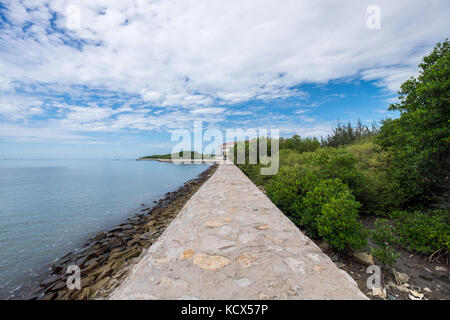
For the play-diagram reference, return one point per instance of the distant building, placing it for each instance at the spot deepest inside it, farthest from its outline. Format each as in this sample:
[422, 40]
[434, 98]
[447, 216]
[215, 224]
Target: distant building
[224, 149]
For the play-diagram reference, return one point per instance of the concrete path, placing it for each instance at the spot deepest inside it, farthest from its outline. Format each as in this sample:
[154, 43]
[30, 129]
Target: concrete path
[231, 242]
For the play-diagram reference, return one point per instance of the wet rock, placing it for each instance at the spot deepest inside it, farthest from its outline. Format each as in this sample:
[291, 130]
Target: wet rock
[50, 280]
[100, 236]
[59, 285]
[50, 296]
[87, 281]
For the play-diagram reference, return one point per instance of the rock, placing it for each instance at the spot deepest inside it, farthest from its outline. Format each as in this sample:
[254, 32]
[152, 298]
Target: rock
[212, 224]
[89, 268]
[363, 258]
[107, 272]
[209, 262]
[439, 268]
[426, 289]
[99, 236]
[132, 242]
[50, 296]
[379, 292]
[246, 259]
[99, 285]
[335, 258]
[400, 278]
[82, 294]
[145, 236]
[117, 254]
[50, 280]
[243, 282]
[87, 281]
[414, 295]
[187, 254]
[59, 285]
[324, 246]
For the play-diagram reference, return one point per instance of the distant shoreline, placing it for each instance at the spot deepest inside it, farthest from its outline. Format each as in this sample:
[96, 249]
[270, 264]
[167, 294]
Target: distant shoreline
[183, 161]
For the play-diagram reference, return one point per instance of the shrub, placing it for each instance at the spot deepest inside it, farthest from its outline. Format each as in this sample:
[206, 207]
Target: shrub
[386, 255]
[329, 163]
[424, 232]
[310, 207]
[380, 193]
[338, 224]
[330, 211]
[384, 237]
[283, 189]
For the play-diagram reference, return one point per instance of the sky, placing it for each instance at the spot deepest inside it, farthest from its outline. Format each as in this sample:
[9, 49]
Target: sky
[114, 78]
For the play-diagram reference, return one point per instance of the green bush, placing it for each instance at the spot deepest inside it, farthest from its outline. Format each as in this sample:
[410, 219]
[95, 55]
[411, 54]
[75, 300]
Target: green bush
[380, 193]
[310, 207]
[329, 163]
[283, 189]
[424, 232]
[339, 226]
[384, 237]
[386, 255]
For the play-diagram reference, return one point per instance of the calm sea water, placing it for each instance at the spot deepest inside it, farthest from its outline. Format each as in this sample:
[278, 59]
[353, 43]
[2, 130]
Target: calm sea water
[51, 207]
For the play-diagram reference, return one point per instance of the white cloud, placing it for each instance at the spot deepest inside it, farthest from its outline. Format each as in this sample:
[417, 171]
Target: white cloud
[208, 111]
[192, 56]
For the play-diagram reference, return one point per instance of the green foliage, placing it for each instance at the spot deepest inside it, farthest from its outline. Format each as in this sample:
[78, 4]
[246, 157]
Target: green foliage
[383, 235]
[386, 255]
[300, 145]
[424, 232]
[330, 163]
[380, 193]
[338, 223]
[402, 165]
[418, 142]
[283, 189]
[311, 205]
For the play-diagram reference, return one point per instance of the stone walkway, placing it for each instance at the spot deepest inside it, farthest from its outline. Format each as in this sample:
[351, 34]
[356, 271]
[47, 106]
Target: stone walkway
[231, 242]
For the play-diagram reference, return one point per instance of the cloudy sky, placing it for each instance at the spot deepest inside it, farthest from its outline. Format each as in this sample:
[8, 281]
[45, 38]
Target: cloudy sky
[113, 78]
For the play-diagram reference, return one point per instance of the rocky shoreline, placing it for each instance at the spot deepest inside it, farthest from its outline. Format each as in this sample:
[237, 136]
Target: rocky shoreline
[105, 258]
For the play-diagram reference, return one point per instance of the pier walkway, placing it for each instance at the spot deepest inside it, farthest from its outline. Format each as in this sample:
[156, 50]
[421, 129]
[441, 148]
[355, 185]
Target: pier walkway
[231, 242]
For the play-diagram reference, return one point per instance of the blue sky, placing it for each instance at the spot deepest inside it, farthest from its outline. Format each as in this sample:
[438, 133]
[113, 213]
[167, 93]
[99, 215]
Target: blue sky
[113, 79]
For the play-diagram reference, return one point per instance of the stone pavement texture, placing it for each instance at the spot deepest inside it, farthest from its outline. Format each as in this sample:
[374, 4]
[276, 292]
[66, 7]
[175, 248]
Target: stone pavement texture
[231, 242]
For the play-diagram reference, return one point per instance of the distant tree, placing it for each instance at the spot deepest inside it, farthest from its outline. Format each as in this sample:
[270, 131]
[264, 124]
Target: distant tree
[344, 135]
